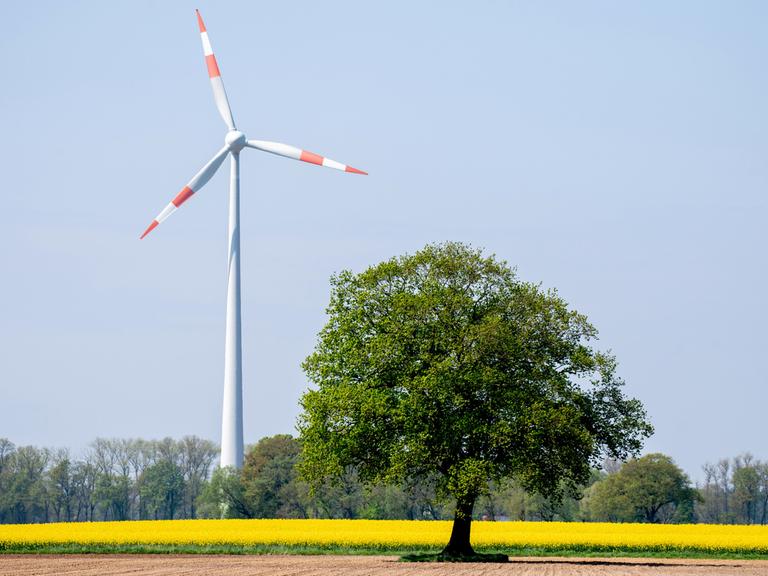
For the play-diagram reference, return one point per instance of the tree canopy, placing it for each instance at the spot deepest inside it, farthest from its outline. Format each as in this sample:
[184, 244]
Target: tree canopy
[647, 489]
[269, 478]
[443, 365]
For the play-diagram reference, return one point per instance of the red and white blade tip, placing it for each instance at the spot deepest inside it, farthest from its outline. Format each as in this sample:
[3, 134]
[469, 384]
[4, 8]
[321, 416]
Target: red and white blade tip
[149, 229]
[172, 206]
[200, 20]
[312, 158]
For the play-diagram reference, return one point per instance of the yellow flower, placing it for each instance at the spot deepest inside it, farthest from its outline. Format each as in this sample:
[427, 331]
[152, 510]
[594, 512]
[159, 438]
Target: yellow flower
[392, 535]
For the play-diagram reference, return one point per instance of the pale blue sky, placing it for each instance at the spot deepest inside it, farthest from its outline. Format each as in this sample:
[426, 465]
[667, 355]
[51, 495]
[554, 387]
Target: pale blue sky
[615, 151]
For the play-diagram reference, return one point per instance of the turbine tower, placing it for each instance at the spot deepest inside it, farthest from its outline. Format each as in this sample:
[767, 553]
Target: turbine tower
[234, 142]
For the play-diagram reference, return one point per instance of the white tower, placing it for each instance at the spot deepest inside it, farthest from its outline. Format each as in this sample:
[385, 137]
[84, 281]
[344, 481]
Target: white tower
[232, 410]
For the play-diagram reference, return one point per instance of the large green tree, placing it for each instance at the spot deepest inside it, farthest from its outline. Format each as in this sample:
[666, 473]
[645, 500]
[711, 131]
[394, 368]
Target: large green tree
[444, 365]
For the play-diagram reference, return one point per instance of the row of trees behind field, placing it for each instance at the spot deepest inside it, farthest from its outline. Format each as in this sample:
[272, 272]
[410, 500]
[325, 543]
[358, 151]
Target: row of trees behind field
[136, 479]
[116, 480]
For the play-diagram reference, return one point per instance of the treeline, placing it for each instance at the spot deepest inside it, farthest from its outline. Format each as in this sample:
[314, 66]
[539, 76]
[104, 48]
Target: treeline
[734, 492]
[139, 479]
[116, 480]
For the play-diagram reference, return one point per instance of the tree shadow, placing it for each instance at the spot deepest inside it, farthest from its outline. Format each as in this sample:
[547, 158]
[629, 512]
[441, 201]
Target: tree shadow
[441, 557]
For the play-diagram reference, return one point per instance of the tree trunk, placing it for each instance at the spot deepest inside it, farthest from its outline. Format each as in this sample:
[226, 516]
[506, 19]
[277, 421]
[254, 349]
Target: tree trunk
[459, 544]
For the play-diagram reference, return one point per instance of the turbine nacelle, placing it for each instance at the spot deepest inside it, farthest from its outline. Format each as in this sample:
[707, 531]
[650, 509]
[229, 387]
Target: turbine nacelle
[235, 140]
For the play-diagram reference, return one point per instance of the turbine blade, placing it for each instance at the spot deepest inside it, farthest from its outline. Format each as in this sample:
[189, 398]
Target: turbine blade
[198, 181]
[219, 94]
[299, 154]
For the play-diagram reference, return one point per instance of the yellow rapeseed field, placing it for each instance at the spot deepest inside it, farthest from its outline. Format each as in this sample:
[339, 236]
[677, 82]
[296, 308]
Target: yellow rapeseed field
[390, 535]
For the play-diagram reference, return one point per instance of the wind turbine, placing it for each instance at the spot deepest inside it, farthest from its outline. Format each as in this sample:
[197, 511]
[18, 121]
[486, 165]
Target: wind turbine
[234, 142]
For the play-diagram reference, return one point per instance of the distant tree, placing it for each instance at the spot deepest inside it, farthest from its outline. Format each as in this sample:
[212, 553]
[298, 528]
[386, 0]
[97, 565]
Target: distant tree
[26, 496]
[224, 496]
[113, 486]
[384, 502]
[423, 501]
[444, 365]
[269, 478]
[162, 488]
[511, 501]
[723, 478]
[7, 449]
[112, 494]
[196, 457]
[342, 497]
[746, 493]
[735, 491]
[84, 476]
[60, 486]
[166, 449]
[749, 495]
[762, 470]
[648, 489]
[709, 508]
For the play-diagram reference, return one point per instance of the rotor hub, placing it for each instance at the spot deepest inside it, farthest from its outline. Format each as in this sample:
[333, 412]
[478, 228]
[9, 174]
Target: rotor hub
[235, 140]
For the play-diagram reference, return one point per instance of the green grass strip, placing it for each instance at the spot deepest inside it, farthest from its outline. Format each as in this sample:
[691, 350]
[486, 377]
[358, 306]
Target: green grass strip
[582, 551]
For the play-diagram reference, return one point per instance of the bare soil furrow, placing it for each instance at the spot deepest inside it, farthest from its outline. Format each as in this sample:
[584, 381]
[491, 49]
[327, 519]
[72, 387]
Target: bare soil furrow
[166, 565]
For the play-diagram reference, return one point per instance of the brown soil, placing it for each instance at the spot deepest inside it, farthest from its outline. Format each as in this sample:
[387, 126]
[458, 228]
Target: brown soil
[160, 565]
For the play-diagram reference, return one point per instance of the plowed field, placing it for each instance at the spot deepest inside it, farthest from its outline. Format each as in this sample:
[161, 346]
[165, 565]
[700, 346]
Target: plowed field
[162, 565]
